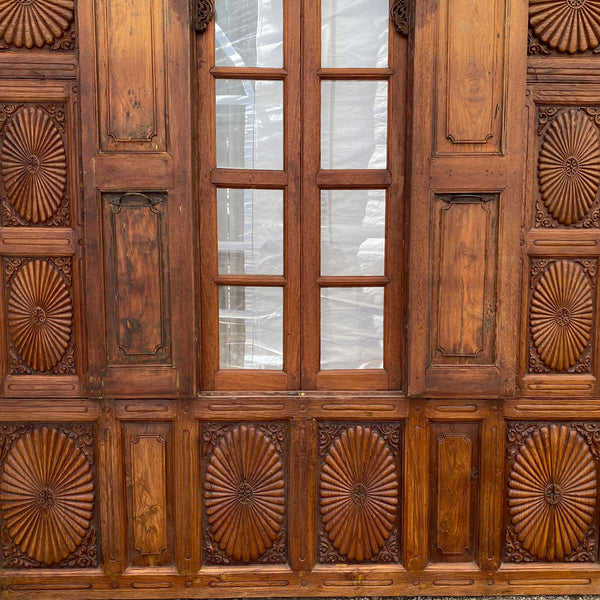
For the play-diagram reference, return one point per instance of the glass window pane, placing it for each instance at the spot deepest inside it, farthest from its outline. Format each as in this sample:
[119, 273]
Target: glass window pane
[250, 226]
[249, 124]
[249, 33]
[352, 232]
[354, 33]
[352, 328]
[250, 327]
[354, 124]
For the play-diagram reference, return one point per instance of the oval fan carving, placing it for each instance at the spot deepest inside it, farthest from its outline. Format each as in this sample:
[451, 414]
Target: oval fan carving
[34, 165]
[566, 25]
[47, 495]
[244, 493]
[561, 314]
[552, 492]
[32, 23]
[359, 493]
[40, 315]
[569, 167]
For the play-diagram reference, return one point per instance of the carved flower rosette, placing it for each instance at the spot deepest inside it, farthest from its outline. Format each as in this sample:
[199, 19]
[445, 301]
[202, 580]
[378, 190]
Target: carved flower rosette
[244, 496]
[552, 491]
[47, 498]
[561, 316]
[566, 26]
[358, 494]
[37, 24]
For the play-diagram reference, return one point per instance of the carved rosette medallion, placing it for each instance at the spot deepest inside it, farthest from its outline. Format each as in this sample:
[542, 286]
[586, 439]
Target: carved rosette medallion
[47, 497]
[561, 314]
[33, 163]
[569, 167]
[40, 315]
[34, 23]
[244, 493]
[358, 493]
[566, 25]
[552, 489]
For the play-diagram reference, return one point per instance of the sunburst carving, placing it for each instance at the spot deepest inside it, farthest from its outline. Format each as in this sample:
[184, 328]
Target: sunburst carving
[569, 167]
[244, 493]
[359, 493]
[552, 492]
[561, 314]
[47, 495]
[34, 165]
[32, 23]
[566, 25]
[40, 315]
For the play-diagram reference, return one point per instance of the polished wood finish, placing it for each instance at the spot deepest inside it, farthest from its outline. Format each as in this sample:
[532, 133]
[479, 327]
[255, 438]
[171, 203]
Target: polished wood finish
[133, 465]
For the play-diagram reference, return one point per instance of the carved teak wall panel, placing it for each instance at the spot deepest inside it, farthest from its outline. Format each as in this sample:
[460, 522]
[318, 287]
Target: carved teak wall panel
[133, 465]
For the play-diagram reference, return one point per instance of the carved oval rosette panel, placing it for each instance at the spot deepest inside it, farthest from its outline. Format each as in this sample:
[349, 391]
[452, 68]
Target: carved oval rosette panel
[359, 493]
[564, 26]
[245, 493]
[33, 165]
[39, 315]
[568, 167]
[35, 24]
[552, 492]
[561, 315]
[48, 496]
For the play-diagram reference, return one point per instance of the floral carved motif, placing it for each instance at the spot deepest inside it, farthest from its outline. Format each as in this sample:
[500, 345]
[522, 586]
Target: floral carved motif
[33, 163]
[358, 494]
[35, 23]
[40, 314]
[244, 495]
[561, 314]
[204, 12]
[399, 15]
[47, 501]
[552, 489]
[569, 167]
[566, 25]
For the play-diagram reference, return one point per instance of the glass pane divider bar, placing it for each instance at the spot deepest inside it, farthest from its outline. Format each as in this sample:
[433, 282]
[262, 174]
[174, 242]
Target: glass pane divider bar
[249, 178]
[252, 280]
[353, 281]
[248, 73]
[342, 73]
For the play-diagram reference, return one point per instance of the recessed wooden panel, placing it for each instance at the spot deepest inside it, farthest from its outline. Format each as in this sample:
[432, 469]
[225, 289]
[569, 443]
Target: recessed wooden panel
[131, 74]
[464, 300]
[137, 290]
[454, 491]
[148, 473]
[470, 76]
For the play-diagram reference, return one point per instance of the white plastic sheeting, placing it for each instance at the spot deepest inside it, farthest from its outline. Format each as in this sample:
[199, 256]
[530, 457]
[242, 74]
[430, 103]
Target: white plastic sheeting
[249, 126]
